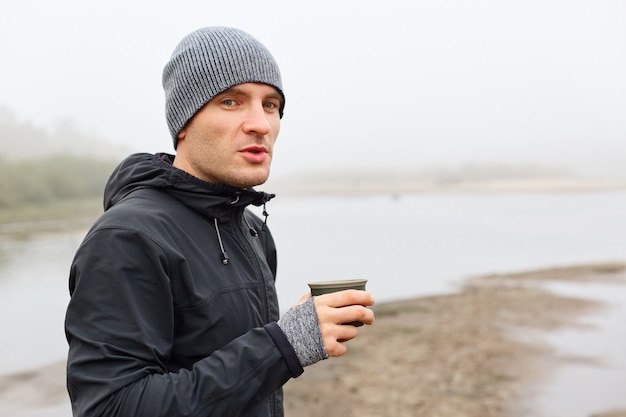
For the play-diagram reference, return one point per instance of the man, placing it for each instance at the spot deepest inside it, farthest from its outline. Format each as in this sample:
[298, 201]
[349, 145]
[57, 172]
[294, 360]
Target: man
[173, 308]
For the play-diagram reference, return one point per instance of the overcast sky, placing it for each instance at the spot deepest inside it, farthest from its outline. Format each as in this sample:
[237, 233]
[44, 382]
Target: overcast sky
[388, 83]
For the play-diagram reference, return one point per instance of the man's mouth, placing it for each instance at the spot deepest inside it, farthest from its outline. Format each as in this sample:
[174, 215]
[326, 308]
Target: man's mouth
[255, 154]
[255, 149]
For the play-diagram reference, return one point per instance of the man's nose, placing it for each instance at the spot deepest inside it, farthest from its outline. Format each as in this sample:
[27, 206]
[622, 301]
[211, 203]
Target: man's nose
[257, 121]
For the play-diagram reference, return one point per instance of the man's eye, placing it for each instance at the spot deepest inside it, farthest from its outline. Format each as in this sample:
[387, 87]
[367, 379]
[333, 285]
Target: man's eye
[270, 105]
[228, 102]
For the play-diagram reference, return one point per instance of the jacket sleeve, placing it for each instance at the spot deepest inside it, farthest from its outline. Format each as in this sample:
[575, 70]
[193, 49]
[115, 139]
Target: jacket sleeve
[119, 326]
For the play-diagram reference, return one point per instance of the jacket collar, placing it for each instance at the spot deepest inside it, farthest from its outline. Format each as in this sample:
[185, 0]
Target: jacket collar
[143, 170]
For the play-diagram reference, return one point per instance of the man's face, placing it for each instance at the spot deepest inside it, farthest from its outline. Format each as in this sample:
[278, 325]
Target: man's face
[231, 139]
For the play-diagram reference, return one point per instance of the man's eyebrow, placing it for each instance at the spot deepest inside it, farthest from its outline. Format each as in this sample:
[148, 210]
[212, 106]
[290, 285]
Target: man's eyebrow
[232, 90]
[276, 96]
[236, 90]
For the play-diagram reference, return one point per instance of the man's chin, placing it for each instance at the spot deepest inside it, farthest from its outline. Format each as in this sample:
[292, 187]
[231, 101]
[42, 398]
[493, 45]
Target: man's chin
[253, 181]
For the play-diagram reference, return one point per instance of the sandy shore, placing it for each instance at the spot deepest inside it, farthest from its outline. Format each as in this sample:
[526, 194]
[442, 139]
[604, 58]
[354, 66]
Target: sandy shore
[454, 355]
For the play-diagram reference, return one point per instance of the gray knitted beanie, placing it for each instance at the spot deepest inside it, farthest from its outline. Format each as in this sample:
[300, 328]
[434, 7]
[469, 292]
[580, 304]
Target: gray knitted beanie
[209, 61]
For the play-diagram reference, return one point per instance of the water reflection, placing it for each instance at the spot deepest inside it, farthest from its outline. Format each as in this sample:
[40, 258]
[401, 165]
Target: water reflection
[33, 296]
[582, 388]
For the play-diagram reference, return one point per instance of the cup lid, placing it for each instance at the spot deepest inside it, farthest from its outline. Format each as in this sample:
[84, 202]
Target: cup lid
[338, 283]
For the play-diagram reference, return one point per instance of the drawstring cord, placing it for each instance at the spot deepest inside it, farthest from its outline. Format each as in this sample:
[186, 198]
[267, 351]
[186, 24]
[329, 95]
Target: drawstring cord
[225, 258]
[251, 229]
[253, 232]
[235, 199]
[266, 215]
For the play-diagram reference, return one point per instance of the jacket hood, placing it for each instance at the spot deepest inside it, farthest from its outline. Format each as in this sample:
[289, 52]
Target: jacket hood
[143, 170]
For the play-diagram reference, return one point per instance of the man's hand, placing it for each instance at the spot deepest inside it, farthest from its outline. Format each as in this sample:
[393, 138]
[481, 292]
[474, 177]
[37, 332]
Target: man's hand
[340, 307]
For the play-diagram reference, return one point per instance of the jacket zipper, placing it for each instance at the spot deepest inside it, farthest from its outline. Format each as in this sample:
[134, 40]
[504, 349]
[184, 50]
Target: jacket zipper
[266, 315]
[257, 267]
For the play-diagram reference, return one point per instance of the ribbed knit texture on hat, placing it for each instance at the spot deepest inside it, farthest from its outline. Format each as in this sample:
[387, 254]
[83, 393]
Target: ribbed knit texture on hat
[209, 61]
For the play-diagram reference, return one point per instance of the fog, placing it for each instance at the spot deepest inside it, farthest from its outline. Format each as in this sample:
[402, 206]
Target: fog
[382, 84]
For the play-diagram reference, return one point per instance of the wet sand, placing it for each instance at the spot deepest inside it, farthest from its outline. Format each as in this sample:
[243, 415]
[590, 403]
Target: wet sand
[473, 353]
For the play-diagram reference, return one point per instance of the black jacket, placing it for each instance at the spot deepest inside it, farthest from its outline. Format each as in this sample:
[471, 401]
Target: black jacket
[173, 307]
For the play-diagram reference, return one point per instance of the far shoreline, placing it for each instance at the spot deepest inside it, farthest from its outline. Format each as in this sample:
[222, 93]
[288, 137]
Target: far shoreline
[76, 213]
[337, 187]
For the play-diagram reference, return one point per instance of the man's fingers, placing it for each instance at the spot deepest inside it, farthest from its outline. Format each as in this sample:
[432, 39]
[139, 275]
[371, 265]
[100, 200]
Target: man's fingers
[342, 314]
[335, 348]
[348, 314]
[347, 298]
[334, 337]
[336, 309]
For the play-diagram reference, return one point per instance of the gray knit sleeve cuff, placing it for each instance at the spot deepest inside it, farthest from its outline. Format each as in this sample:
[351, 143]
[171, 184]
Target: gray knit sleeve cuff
[301, 326]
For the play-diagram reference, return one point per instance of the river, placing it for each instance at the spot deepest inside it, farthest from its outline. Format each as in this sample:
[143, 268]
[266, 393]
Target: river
[404, 245]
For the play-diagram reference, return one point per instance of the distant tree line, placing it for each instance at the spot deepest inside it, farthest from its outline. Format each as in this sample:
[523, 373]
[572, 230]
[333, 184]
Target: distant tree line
[47, 180]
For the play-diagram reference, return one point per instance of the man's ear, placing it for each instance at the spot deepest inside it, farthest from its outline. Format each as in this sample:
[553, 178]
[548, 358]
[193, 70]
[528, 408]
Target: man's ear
[181, 135]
